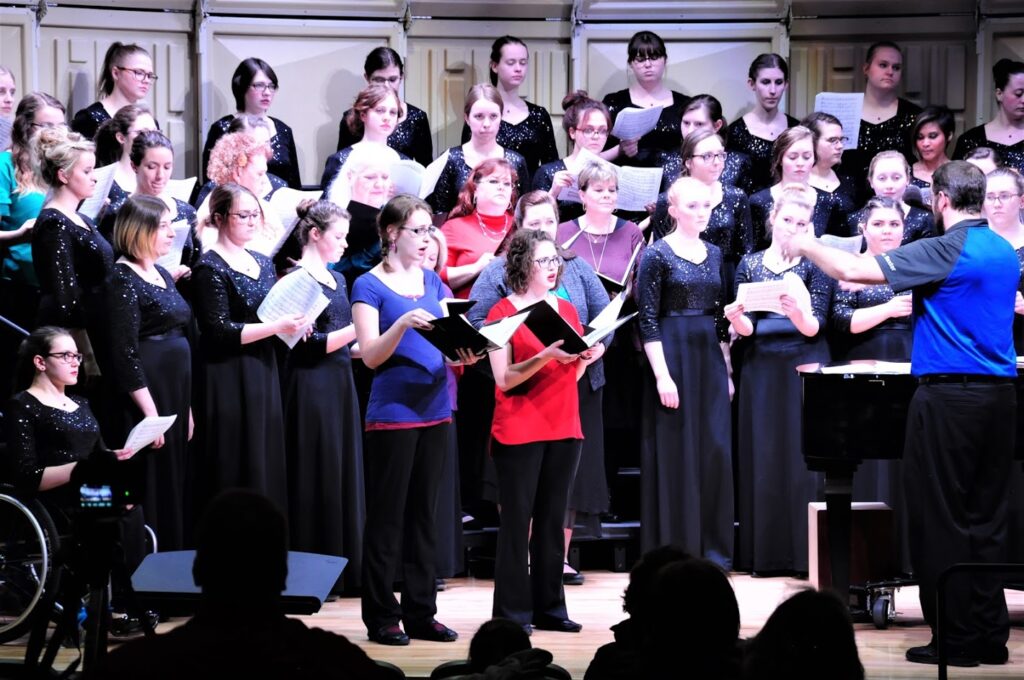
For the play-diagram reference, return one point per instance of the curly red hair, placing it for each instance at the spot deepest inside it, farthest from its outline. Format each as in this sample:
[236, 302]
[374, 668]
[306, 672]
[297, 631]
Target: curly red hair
[233, 151]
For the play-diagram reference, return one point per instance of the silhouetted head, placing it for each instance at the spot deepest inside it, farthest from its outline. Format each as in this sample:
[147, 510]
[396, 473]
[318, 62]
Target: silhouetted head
[241, 549]
[494, 641]
[641, 577]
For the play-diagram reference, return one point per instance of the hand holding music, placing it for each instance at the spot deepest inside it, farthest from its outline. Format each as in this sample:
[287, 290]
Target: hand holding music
[630, 147]
[290, 324]
[733, 311]
[124, 454]
[416, 318]
[466, 357]
[555, 351]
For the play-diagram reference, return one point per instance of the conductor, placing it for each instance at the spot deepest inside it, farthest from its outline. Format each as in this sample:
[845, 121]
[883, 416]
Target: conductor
[961, 422]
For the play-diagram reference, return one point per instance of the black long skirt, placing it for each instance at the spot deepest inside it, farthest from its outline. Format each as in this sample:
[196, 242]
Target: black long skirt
[324, 444]
[686, 463]
[590, 488]
[449, 553]
[774, 483]
[243, 431]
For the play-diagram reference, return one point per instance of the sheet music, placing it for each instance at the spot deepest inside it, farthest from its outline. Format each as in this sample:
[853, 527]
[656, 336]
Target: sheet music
[598, 334]
[847, 107]
[147, 430]
[104, 180]
[610, 313]
[431, 174]
[886, 367]
[634, 123]
[501, 331]
[294, 293]
[848, 244]
[180, 189]
[283, 205]
[764, 296]
[407, 177]
[638, 188]
[172, 259]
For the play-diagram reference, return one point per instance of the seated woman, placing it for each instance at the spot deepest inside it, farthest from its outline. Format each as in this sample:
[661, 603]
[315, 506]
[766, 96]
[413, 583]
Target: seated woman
[536, 442]
[480, 223]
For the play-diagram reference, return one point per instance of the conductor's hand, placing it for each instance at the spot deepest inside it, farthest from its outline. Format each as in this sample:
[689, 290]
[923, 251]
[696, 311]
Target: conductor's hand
[416, 318]
[798, 244]
[667, 392]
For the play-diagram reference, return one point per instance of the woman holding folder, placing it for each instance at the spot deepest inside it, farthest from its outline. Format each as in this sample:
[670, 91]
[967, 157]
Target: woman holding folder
[241, 428]
[774, 484]
[407, 427]
[536, 442]
[686, 445]
[151, 357]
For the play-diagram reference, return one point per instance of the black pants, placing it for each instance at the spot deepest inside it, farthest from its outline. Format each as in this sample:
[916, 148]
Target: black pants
[403, 470]
[533, 483]
[956, 472]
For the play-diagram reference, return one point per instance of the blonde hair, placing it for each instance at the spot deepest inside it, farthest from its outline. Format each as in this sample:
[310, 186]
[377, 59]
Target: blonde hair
[137, 221]
[793, 194]
[680, 188]
[437, 236]
[58, 149]
[598, 171]
[233, 152]
[886, 155]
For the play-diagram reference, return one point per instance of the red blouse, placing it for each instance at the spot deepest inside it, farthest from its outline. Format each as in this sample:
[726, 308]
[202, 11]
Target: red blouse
[546, 406]
[468, 240]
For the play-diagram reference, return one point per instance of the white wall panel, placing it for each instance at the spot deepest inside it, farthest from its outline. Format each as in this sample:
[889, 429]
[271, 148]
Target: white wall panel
[384, 9]
[680, 10]
[998, 39]
[17, 46]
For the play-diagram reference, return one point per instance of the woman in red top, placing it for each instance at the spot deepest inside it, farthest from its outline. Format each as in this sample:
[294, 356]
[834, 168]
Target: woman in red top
[480, 222]
[537, 439]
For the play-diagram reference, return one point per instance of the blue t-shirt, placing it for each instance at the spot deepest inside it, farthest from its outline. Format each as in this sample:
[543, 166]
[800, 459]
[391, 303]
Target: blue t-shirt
[411, 386]
[964, 286]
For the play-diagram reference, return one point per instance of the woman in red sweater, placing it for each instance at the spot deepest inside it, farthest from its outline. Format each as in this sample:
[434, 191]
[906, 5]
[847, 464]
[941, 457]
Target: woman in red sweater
[480, 222]
[536, 442]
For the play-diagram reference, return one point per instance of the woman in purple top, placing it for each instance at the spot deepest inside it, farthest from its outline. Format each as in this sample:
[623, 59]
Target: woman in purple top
[407, 424]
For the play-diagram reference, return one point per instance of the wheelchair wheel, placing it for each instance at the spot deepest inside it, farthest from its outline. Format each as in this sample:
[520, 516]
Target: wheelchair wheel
[28, 546]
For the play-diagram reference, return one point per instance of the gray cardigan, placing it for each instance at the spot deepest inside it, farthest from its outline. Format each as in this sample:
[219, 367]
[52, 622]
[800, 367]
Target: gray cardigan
[586, 293]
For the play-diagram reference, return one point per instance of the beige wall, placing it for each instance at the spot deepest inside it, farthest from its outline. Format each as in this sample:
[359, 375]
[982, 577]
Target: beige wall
[319, 59]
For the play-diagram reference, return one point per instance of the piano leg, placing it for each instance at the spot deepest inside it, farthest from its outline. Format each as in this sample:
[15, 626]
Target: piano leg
[838, 492]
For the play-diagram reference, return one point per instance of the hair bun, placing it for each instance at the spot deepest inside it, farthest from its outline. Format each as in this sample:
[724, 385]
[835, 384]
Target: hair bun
[574, 98]
[303, 208]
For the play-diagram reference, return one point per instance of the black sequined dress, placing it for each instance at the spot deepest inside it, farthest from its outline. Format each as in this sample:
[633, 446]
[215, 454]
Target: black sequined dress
[533, 137]
[411, 137]
[686, 453]
[150, 346]
[737, 171]
[774, 483]
[87, 121]
[542, 181]
[666, 135]
[1011, 155]
[240, 411]
[324, 442]
[827, 216]
[889, 135]
[456, 172]
[283, 162]
[757, 149]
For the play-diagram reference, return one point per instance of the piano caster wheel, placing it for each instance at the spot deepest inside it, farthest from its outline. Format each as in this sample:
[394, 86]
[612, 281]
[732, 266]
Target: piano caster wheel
[880, 612]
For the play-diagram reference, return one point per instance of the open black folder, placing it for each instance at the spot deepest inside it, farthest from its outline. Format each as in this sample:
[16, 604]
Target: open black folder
[548, 325]
[454, 331]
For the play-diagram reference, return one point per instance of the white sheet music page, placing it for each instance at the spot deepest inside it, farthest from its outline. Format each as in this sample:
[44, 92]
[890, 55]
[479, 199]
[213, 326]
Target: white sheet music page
[147, 430]
[638, 188]
[104, 180]
[172, 259]
[847, 107]
[294, 293]
[634, 123]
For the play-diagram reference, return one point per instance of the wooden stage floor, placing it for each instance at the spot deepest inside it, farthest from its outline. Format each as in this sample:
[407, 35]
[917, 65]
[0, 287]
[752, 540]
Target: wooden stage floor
[597, 605]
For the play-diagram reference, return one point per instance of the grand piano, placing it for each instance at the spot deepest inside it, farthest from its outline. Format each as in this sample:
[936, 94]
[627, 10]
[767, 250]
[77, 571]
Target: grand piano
[854, 412]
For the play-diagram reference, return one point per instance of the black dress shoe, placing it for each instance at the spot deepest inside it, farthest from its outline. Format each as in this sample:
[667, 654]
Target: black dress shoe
[390, 635]
[571, 578]
[930, 654]
[528, 629]
[434, 631]
[557, 625]
[995, 655]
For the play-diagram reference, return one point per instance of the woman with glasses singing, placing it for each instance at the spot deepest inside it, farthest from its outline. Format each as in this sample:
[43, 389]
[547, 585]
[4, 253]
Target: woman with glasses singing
[254, 85]
[151, 357]
[728, 227]
[648, 60]
[704, 112]
[525, 127]
[586, 122]
[686, 447]
[411, 136]
[480, 222]
[536, 442]
[125, 79]
[1003, 205]
[241, 427]
[407, 428]
[829, 141]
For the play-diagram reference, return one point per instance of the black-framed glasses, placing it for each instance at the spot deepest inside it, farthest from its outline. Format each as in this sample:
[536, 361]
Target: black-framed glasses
[1004, 197]
[67, 357]
[140, 75]
[547, 262]
[247, 216]
[711, 156]
[648, 57]
[838, 141]
[593, 131]
[420, 231]
[263, 87]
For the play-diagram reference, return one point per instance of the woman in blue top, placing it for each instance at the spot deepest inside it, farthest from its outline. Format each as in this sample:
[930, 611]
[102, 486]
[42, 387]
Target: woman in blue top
[407, 427]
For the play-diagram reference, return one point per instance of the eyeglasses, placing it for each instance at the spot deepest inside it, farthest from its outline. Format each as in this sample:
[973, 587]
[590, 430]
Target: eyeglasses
[547, 262]
[247, 216]
[421, 231]
[380, 80]
[140, 75]
[67, 357]
[263, 87]
[711, 156]
[837, 141]
[593, 131]
[649, 58]
[498, 183]
[1000, 198]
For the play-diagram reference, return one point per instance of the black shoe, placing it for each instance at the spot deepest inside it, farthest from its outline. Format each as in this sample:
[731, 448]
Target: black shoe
[557, 625]
[125, 625]
[434, 631]
[389, 635]
[528, 629]
[440, 585]
[994, 655]
[930, 654]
